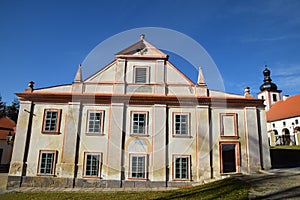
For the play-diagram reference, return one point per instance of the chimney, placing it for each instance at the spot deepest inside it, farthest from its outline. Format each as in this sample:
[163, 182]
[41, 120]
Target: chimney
[30, 87]
[247, 93]
[285, 97]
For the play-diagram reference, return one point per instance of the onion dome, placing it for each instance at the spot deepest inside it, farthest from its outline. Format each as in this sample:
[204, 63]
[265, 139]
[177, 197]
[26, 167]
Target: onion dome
[268, 85]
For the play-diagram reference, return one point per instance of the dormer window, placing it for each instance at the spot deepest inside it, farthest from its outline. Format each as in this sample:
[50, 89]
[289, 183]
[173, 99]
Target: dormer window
[141, 75]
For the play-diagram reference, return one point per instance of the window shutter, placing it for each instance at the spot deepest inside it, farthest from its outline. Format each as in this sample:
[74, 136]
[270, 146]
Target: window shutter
[140, 75]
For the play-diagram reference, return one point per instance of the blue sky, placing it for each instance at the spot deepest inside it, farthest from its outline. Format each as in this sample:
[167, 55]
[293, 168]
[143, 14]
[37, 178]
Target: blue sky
[44, 41]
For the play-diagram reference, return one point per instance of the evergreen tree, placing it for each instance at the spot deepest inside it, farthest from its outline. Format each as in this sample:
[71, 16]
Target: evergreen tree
[13, 110]
[2, 108]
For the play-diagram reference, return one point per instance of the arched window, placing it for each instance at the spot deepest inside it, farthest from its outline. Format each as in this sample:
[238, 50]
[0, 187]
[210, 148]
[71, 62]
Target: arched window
[275, 132]
[286, 137]
[285, 131]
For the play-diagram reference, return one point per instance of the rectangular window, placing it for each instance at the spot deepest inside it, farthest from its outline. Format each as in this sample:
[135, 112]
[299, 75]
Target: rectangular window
[95, 122]
[273, 125]
[47, 162]
[141, 75]
[139, 123]
[296, 121]
[138, 166]
[228, 124]
[51, 121]
[283, 123]
[181, 167]
[181, 124]
[92, 164]
[274, 97]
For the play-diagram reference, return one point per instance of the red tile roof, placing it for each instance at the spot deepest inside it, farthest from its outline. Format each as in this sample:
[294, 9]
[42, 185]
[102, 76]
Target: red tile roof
[6, 125]
[284, 109]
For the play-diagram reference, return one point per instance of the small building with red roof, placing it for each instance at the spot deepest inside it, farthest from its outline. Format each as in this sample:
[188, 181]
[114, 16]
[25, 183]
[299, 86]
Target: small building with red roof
[283, 114]
[283, 121]
[7, 128]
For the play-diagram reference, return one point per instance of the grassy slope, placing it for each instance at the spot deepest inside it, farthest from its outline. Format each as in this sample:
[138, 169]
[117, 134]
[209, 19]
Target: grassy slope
[225, 189]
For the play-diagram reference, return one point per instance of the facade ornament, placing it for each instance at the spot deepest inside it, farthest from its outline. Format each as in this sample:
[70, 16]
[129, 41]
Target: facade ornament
[78, 76]
[30, 87]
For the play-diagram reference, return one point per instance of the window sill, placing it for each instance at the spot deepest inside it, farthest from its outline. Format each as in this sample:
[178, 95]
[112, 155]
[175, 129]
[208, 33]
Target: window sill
[139, 135]
[137, 179]
[94, 134]
[51, 133]
[233, 137]
[92, 177]
[181, 180]
[182, 136]
[47, 175]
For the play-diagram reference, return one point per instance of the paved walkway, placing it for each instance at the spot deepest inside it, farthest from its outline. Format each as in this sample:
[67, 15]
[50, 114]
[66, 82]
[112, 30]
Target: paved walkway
[273, 184]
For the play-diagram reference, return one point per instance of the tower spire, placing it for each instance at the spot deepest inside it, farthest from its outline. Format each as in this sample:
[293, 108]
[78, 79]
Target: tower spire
[268, 85]
[78, 76]
[201, 80]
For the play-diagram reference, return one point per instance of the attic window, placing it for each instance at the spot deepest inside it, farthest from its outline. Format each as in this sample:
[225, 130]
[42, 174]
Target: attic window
[141, 75]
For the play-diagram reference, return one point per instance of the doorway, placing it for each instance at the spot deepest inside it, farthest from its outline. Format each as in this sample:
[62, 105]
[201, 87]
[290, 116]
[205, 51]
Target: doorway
[228, 153]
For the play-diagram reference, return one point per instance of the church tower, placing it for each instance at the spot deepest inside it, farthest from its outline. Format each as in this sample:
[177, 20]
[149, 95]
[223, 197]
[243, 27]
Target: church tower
[269, 90]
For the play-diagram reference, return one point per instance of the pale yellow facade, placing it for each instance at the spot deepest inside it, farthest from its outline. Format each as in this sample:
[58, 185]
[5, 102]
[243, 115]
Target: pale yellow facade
[154, 126]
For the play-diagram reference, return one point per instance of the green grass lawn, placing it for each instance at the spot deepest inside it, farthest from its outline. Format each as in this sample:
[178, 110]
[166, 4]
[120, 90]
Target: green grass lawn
[230, 188]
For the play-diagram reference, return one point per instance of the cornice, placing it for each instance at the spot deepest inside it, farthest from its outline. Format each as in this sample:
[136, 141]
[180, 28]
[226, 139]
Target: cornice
[139, 99]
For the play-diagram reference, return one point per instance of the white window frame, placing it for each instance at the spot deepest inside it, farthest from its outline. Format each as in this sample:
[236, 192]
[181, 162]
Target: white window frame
[136, 168]
[48, 164]
[138, 123]
[49, 120]
[181, 123]
[136, 79]
[89, 167]
[175, 168]
[95, 122]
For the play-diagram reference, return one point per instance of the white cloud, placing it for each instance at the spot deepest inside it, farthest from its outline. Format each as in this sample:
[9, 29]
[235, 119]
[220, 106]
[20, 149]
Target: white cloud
[287, 78]
[285, 70]
[269, 39]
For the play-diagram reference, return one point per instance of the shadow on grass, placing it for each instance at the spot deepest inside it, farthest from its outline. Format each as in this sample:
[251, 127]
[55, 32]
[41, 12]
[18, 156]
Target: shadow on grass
[226, 189]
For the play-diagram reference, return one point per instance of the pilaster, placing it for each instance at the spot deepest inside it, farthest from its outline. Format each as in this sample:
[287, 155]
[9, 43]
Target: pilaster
[264, 144]
[67, 167]
[119, 87]
[252, 139]
[20, 139]
[203, 143]
[115, 153]
[158, 168]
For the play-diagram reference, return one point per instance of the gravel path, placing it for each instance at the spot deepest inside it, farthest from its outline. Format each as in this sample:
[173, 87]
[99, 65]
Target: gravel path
[275, 184]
